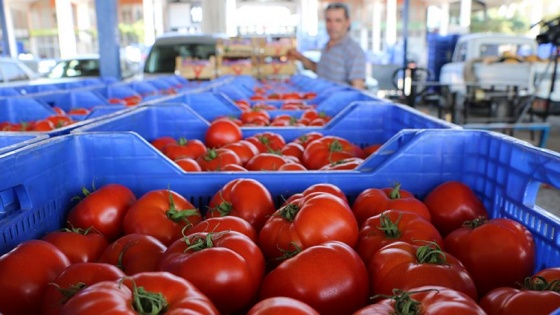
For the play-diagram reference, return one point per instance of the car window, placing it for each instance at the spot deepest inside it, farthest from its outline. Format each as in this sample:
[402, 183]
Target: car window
[12, 72]
[162, 57]
[58, 70]
[461, 52]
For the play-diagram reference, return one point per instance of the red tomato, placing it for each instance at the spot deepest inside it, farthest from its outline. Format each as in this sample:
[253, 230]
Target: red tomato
[103, 209]
[267, 142]
[225, 223]
[188, 165]
[539, 294]
[250, 116]
[392, 226]
[292, 167]
[59, 111]
[60, 121]
[25, 273]
[233, 168]
[329, 277]
[498, 252]
[449, 213]
[78, 245]
[327, 150]
[244, 198]
[161, 142]
[78, 111]
[43, 125]
[280, 305]
[192, 148]
[216, 159]
[144, 293]
[404, 266]
[74, 278]
[228, 267]
[233, 119]
[346, 164]
[310, 220]
[244, 149]
[163, 214]
[374, 201]
[134, 253]
[425, 300]
[321, 187]
[283, 120]
[221, 132]
[293, 149]
[369, 150]
[307, 138]
[265, 162]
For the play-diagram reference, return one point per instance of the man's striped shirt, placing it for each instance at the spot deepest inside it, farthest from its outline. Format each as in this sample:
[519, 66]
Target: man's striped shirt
[343, 62]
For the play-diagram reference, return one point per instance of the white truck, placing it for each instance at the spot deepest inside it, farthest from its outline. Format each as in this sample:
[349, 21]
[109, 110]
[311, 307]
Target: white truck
[489, 63]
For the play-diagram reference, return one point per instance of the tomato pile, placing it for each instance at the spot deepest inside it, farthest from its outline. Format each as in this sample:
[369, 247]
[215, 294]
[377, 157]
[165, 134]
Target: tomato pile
[58, 120]
[318, 252]
[225, 149]
[259, 115]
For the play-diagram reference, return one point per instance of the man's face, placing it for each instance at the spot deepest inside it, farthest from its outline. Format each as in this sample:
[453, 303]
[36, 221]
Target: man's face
[337, 24]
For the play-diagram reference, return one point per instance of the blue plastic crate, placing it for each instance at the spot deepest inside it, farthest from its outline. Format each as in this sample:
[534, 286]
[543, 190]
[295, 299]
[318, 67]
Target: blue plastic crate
[362, 123]
[26, 108]
[10, 141]
[504, 173]
[71, 99]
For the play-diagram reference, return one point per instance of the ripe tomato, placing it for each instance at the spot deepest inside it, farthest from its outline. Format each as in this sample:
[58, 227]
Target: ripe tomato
[160, 142]
[448, 213]
[265, 162]
[25, 273]
[103, 209]
[328, 149]
[253, 115]
[346, 164]
[192, 148]
[225, 223]
[310, 220]
[321, 187]
[292, 167]
[43, 125]
[220, 132]
[78, 111]
[280, 305]
[228, 267]
[78, 245]
[391, 226]
[498, 252]
[370, 149]
[188, 165]
[60, 121]
[283, 120]
[244, 198]
[216, 159]
[74, 278]
[144, 293]
[374, 201]
[293, 149]
[307, 138]
[267, 142]
[134, 253]
[233, 168]
[539, 294]
[426, 300]
[329, 277]
[162, 214]
[244, 149]
[405, 266]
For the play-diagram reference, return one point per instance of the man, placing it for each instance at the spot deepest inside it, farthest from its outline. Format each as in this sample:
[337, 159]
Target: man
[342, 59]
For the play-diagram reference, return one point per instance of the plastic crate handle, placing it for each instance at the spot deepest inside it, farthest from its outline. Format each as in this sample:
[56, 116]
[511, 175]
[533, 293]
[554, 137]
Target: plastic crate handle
[14, 199]
[402, 139]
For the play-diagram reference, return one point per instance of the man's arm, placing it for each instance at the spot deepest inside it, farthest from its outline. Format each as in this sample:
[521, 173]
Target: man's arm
[307, 63]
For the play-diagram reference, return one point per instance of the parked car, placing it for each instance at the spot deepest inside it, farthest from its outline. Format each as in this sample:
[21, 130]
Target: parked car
[87, 66]
[15, 72]
[165, 50]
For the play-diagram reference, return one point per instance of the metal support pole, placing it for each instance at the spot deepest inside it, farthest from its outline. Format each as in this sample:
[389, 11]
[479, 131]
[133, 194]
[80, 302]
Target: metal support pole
[108, 32]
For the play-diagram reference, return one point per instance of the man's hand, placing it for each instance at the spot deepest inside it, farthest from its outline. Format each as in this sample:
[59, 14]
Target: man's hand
[306, 62]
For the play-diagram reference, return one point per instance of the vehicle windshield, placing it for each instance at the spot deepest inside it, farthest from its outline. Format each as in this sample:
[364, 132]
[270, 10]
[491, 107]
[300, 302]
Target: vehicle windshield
[506, 49]
[162, 58]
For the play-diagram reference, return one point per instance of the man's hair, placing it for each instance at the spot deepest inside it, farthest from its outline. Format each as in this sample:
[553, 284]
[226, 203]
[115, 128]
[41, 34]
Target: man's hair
[339, 5]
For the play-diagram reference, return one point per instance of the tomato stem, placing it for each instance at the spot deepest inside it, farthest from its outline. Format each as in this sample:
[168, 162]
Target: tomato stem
[148, 303]
[69, 292]
[177, 215]
[389, 228]
[396, 193]
[224, 208]
[475, 222]
[286, 253]
[289, 212]
[199, 243]
[427, 254]
[538, 283]
[210, 155]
